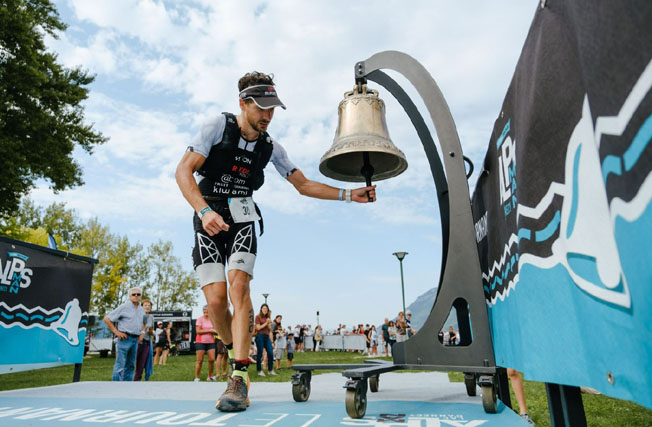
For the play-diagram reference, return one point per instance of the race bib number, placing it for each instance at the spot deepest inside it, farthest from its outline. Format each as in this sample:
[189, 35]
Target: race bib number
[243, 209]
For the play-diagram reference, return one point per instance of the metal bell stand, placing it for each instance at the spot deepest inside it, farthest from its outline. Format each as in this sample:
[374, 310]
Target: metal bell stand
[460, 283]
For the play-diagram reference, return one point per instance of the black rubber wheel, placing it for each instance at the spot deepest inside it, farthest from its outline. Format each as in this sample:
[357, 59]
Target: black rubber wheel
[301, 392]
[471, 389]
[356, 403]
[489, 399]
[104, 353]
[373, 383]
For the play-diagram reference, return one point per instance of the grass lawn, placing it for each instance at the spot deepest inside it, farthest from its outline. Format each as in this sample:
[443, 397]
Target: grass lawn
[600, 410]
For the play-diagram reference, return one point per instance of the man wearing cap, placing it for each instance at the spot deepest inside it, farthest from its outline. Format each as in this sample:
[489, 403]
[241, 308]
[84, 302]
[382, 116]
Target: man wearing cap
[131, 320]
[229, 156]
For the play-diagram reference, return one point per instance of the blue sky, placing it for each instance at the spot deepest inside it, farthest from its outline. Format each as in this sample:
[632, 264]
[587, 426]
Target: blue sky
[163, 67]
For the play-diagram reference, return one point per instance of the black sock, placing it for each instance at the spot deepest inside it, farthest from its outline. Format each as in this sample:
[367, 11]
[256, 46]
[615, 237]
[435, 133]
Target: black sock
[241, 365]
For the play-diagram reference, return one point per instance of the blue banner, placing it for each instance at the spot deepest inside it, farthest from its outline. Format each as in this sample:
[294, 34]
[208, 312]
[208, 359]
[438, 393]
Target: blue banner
[562, 208]
[44, 297]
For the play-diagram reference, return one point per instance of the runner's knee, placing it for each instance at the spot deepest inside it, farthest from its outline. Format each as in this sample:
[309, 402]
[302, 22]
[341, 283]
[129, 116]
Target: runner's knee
[239, 289]
[216, 298]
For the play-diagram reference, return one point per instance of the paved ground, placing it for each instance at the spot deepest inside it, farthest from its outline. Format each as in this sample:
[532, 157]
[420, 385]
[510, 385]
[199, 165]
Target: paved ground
[404, 399]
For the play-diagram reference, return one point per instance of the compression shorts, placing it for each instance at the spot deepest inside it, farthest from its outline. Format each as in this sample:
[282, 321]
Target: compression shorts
[238, 246]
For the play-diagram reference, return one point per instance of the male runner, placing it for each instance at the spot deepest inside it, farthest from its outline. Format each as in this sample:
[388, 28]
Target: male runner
[229, 156]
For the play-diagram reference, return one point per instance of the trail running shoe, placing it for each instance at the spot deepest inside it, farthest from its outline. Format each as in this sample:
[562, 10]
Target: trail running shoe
[527, 419]
[235, 397]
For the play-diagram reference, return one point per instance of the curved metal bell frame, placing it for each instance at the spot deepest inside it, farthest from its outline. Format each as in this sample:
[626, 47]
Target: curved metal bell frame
[362, 145]
[460, 282]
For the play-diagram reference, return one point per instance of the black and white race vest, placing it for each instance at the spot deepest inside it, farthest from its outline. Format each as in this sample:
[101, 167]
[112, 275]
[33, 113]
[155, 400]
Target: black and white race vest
[230, 171]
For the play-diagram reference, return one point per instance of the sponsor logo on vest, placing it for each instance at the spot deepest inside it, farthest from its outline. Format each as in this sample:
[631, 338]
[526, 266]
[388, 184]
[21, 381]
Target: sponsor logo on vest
[243, 159]
[244, 172]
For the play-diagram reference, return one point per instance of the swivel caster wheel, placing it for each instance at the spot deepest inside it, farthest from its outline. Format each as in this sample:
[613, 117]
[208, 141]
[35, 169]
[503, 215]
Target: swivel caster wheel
[469, 382]
[301, 386]
[373, 383]
[356, 398]
[489, 394]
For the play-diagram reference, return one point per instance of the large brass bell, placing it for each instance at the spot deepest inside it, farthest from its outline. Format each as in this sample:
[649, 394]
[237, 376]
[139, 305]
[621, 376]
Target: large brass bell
[362, 149]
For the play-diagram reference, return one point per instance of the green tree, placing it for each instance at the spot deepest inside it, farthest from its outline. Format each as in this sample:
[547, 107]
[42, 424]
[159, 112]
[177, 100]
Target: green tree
[169, 287]
[41, 116]
[18, 226]
[96, 241]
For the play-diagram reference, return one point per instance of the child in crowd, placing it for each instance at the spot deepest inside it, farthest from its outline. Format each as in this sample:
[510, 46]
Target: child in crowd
[279, 340]
[290, 348]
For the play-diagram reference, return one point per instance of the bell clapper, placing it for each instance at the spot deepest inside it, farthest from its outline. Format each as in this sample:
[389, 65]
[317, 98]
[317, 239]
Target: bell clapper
[367, 171]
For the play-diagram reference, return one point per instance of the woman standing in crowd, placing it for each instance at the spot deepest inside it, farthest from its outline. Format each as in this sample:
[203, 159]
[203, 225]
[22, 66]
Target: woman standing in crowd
[159, 337]
[317, 339]
[263, 324]
[392, 335]
[367, 338]
[374, 340]
[145, 346]
[205, 344]
[166, 338]
[297, 337]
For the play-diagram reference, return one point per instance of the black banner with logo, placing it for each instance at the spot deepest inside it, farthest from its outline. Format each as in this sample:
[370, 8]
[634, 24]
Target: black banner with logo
[44, 298]
[562, 208]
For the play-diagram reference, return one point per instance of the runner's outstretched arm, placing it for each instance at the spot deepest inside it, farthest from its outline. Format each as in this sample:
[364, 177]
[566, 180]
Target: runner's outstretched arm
[319, 190]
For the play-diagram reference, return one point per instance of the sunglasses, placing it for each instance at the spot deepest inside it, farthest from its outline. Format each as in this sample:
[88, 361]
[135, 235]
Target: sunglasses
[135, 295]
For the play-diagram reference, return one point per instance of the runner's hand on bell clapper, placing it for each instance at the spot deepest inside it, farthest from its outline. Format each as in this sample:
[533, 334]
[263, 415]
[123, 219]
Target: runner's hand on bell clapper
[359, 195]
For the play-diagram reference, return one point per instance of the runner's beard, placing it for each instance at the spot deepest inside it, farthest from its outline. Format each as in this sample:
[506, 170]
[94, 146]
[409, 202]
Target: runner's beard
[261, 126]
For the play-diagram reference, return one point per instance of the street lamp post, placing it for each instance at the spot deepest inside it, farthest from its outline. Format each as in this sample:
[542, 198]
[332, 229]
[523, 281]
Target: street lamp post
[400, 256]
[265, 295]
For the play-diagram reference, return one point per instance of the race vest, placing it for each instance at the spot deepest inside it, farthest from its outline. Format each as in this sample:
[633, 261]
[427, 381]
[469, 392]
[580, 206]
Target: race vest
[230, 171]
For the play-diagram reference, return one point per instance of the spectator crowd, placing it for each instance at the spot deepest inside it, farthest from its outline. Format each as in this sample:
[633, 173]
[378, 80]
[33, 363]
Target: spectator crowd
[141, 344]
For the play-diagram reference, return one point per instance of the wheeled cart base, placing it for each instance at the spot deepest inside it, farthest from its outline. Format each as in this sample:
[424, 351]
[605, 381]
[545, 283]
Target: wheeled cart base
[366, 376]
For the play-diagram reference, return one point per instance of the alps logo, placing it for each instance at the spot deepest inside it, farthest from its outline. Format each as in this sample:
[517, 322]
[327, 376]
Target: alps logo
[507, 169]
[13, 274]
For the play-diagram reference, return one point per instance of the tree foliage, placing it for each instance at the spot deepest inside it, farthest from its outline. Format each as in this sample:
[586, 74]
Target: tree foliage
[41, 116]
[169, 287]
[122, 264]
